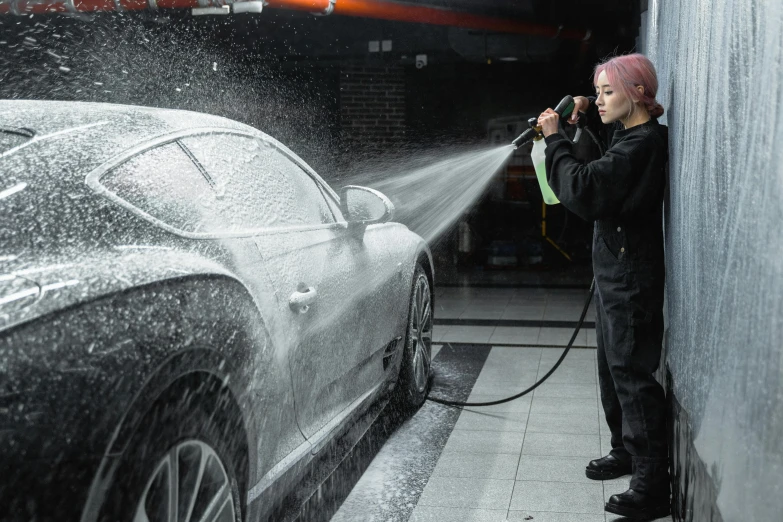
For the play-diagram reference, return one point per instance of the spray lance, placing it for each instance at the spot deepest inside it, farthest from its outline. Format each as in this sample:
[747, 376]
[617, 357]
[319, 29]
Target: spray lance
[566, 106]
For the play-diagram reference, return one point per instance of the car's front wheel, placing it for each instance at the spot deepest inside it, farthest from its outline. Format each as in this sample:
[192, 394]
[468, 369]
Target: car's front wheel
[415, 369]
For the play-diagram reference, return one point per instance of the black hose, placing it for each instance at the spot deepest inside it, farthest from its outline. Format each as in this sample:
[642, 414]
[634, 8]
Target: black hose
[540, 381]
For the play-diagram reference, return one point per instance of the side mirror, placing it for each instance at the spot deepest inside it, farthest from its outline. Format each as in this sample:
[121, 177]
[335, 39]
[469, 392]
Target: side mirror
[364, 206]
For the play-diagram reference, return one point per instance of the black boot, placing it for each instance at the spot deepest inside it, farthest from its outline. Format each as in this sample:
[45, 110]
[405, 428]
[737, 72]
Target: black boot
[638, 506]
[607, 468]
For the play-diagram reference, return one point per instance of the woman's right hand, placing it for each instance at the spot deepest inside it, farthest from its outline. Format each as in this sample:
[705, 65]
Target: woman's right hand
[581, 104]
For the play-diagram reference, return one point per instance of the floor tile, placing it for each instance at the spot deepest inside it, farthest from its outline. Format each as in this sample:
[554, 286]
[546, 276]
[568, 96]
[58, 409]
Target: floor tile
[482, 313]
[523, 312]
[467, 334]
[515, 335]
[561, 445]
[572, 424]
[448, 313]
[520, 405]
[521, 361]
[552, 354]
[560, 337]
[487, 385]
[507, 378]
[442, 514]
[558, 496]
[566, 406]
[562, 313]
[528, 298]
[547, 516]
[481, 441]
[567, 375]
[553, 469]
[566, 390]
[526, 363]
[477, 465]
[566, 294]
[438, 331]
[510, 371]
[467, 493]
[514, 353]
[508, 421]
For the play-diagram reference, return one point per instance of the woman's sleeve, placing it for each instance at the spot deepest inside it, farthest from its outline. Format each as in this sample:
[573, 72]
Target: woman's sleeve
[594, 190]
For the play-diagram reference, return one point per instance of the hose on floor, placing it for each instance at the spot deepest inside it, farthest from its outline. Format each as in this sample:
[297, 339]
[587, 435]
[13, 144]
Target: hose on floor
[541, 380]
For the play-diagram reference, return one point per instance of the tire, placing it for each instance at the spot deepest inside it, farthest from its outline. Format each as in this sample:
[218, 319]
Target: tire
[416, 368]
[186, 434]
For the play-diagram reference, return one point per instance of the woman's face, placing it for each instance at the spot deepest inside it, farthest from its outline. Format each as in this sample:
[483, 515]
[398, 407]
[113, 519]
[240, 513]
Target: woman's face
[612, 105]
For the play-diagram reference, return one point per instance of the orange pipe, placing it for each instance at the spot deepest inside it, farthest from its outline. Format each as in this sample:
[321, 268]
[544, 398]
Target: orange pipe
[311, 6]
[431, 15]
[378, 9]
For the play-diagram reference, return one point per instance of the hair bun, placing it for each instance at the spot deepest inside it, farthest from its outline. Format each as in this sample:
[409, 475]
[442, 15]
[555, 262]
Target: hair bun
[655, 109]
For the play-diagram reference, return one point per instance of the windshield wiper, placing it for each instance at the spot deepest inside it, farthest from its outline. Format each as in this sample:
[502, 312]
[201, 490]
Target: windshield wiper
[20, 131]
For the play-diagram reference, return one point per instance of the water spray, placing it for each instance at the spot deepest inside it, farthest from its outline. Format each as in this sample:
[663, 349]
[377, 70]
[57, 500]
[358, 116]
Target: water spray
[566, 106]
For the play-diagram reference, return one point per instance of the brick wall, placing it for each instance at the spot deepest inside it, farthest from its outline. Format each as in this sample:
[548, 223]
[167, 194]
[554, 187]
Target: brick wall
[372, 107]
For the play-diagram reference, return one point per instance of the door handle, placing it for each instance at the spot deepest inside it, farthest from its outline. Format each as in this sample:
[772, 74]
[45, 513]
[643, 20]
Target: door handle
[301, 300]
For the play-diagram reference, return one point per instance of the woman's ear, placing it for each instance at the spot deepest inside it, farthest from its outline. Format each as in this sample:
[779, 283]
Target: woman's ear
[640, 90]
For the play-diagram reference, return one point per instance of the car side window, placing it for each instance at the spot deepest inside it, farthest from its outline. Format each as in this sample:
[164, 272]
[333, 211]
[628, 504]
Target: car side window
[164, 183]
[260, 186]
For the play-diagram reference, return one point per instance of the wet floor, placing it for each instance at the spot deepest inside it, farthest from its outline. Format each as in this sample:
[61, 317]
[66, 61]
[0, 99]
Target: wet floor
[522, 460]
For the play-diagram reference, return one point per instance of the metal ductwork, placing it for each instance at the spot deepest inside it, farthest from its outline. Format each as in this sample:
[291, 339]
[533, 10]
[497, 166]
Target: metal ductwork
[377, 9]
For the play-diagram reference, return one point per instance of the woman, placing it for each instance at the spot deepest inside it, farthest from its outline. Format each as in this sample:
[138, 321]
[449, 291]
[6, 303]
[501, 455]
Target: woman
[623, 193]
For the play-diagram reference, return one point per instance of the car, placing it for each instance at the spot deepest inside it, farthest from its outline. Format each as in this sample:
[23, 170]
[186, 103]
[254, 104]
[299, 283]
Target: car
[189, 314]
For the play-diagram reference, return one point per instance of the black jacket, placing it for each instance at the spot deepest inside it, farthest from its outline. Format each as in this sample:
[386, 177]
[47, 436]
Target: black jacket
[623, 189]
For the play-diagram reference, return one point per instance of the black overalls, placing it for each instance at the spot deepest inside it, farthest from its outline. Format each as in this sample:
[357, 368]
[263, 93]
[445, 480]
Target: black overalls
[623, 193]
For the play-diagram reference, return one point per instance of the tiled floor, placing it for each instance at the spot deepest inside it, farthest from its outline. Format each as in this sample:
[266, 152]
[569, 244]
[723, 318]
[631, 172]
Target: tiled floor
[511, 304]
[525, 458]
[522, 460]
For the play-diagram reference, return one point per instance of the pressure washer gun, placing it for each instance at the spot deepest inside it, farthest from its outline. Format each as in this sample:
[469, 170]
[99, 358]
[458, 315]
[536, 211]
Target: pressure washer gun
[566, 106]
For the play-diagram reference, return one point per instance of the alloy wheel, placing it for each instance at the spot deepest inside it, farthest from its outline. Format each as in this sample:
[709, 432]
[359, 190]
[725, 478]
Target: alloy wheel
[189, 484]
[421, 333]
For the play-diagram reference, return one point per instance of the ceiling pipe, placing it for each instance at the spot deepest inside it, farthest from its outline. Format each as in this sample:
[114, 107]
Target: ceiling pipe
[378, 9]
[398, 12]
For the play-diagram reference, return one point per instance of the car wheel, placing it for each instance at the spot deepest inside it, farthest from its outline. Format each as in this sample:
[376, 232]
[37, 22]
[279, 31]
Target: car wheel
[415, 369]
[178, 469]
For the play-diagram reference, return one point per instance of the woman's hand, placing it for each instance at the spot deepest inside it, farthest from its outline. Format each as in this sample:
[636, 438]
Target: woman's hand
[548, 122]
[581, 104]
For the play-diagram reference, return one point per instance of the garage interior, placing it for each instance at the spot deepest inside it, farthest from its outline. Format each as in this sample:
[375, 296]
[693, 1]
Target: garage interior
[366, 89]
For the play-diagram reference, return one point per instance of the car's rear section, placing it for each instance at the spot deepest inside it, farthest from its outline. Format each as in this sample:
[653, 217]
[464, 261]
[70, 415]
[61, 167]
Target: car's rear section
[102, 316]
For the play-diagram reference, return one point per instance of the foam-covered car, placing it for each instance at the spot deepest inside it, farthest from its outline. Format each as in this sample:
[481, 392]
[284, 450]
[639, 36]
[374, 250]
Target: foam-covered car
[189, 314]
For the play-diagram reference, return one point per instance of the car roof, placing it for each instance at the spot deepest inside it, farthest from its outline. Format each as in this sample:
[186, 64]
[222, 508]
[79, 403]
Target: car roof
[48, 117]
[79, 136]
[58, 142]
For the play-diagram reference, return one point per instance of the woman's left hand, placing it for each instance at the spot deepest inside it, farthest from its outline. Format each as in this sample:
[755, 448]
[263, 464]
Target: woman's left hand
[548, 122]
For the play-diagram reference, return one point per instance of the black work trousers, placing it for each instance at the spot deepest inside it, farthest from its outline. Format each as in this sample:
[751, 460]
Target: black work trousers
[629, 332]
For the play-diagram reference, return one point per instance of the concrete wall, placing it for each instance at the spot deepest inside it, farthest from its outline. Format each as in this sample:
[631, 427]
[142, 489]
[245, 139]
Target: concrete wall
[720, 67]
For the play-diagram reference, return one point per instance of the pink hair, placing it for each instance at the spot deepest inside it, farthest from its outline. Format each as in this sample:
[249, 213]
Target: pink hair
[626, 72]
